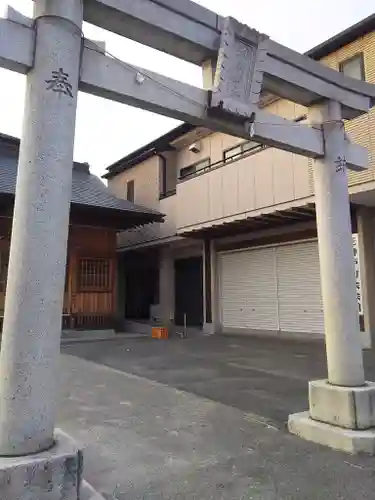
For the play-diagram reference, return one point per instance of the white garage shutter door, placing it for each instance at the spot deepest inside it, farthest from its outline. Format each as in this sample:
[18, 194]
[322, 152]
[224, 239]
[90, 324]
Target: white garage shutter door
[272, 289]
[248, 290]
[299, 292]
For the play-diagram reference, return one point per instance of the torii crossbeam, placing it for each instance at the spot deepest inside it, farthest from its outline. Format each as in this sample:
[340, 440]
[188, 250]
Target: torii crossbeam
[104, 76]
[240, 66]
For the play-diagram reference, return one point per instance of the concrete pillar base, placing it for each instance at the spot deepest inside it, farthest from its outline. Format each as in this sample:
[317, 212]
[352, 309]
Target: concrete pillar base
[338, 438]
[348, 407]
[52, 475]
[339, 417]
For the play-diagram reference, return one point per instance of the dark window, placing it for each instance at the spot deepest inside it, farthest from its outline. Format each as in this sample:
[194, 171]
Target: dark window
[130, 191]
[4, 260]
[354, 67]
[241, 149]
[94, 274]
[168, 175]
[163, 176]
[186, 171]
[196, 167]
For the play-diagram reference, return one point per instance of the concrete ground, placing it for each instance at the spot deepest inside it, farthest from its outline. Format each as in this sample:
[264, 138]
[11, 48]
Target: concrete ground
[202, 419]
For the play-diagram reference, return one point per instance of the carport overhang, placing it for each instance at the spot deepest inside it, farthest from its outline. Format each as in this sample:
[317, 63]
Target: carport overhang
[264, 219]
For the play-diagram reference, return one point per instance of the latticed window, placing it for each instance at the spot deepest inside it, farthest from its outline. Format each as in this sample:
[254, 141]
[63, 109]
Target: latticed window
[94, 274]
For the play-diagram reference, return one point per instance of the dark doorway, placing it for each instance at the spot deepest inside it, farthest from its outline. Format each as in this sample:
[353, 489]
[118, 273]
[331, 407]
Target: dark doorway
[141, 284]
[189, 291]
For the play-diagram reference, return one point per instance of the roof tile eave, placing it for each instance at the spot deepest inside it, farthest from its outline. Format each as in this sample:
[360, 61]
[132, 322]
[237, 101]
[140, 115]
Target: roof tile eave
[87, 189]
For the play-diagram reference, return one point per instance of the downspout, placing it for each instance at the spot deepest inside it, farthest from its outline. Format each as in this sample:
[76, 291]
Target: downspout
[163, 190]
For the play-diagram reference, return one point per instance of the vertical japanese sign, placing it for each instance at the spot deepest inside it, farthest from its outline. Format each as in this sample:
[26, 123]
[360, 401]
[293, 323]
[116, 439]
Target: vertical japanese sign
[357, 268]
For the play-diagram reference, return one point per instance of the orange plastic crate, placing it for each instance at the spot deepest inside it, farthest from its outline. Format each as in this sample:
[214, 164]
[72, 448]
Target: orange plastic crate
[160, 333]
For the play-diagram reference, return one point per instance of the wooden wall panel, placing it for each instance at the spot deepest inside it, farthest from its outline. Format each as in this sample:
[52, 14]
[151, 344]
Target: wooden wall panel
[79, 308]
[101, 303]
[93, 241]
[87, 242]
[90, 308]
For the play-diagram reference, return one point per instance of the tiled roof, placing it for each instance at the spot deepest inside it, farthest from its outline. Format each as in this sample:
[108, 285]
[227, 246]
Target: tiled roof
[87, 189]
[345, 37]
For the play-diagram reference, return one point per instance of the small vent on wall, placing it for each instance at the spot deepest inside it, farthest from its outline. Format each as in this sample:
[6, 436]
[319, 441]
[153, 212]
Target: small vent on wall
[195, 147]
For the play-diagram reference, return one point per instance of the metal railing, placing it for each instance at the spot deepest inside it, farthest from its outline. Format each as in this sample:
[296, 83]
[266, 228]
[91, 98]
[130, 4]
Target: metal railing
[167, 194]
[221, 163]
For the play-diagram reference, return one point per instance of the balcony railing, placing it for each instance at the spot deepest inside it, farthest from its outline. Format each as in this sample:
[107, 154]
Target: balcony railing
[220, 163]
[167, 194]
[231, 155]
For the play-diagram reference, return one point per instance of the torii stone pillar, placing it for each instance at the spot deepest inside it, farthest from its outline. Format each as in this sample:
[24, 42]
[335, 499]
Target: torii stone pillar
[341, 408]
[34, 298]
[343, 339]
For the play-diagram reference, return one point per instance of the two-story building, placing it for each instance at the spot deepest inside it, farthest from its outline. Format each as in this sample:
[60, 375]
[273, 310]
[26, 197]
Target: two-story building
[238, 251]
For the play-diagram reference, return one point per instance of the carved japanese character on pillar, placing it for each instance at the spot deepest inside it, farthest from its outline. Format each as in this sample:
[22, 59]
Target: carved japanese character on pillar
[239, 72]
[59, 82]
[341, 164]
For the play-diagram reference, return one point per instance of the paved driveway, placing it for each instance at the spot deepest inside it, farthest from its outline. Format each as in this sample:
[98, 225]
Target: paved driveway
[263, 376]
[203, 418]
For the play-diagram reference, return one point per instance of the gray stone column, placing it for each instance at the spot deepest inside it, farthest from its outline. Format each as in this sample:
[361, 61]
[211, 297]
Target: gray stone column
[341, 408]
[34, 298]
[343, 341]
[366, 240]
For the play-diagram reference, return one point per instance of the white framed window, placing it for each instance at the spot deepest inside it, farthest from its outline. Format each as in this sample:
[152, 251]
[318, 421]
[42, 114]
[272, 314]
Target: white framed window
[237, 151]
[354, 67]
[195, 167]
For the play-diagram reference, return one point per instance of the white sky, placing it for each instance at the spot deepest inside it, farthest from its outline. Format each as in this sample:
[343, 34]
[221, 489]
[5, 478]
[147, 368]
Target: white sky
[106, 131]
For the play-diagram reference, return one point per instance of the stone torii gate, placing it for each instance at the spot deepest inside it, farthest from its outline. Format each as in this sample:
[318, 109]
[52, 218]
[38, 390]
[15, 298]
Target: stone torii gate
[239, 66]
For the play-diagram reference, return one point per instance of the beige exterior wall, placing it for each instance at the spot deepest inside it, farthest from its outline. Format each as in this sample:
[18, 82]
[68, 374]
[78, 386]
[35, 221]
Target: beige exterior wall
[146, 183]
[234, 190]
[268, 180]
[212, 147]
[146, 193]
